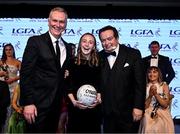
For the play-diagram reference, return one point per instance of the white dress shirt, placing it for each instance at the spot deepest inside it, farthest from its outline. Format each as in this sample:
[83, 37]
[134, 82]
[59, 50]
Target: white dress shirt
[61, 46]
[111, 58]
[154, 61]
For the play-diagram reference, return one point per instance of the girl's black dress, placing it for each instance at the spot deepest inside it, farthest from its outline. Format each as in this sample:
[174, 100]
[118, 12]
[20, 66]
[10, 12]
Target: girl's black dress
[86, 120]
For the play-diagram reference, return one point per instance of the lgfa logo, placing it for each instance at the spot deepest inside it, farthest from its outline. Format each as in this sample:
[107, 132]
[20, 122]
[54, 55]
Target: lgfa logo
[135, 46]
[174, 33]
[2, 44]
[26, 31]
[175, 90]
[144, 33]
[69, 32]
[169, 47]
[95, 32]
[175, 62]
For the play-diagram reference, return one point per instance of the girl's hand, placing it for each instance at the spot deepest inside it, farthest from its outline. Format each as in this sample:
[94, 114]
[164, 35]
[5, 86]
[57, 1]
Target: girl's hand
[150, 93]
[66, 74]
[99, 101]
[10, 80]
[96, 102]
[19, 110]
[153, 90]
[78, 104]
[3, 73]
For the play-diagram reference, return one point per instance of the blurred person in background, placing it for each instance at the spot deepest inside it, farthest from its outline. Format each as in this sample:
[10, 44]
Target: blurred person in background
[157, 117]
[4, 101]
[11, 66]
[163, 62]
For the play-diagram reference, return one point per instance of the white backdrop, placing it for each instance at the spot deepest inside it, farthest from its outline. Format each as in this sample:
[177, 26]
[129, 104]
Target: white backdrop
[136, 33]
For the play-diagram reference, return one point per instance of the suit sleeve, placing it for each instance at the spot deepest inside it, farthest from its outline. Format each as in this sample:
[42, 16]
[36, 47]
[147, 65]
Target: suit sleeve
[4, 95]
[139, 85]
[170, 72]
[27, 70]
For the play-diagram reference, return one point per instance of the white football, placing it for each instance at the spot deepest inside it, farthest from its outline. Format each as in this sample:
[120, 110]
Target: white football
[86, 94]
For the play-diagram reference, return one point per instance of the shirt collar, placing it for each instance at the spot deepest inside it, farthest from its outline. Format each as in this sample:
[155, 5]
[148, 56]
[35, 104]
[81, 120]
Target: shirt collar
[53, 39]
[117, 50]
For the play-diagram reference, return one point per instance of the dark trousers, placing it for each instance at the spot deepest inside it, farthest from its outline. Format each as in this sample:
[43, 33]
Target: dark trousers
[4, 102]
[46, 121]
[3, 113]
[115, 124]
[84, 120]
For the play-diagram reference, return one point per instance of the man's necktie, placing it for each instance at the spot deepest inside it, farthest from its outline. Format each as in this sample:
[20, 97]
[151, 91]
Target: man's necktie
[111, 53]
[58, 51]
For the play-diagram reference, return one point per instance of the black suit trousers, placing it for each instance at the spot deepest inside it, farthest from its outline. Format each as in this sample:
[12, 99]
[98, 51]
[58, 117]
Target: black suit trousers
[46, 121]
[4, 102]
[116, 124]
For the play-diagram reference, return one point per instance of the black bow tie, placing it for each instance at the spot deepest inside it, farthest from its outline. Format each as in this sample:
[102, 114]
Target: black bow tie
[110, 53]
[153, 57]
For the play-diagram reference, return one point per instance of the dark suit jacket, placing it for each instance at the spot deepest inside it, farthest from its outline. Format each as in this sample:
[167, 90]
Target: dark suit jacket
[165, 66]
[41, 77]
[4, 95]
[4, 102]
[123, 86]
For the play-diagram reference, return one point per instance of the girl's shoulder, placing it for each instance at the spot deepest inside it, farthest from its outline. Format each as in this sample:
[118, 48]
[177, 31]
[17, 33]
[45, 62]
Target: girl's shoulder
[165, 87]
[17, 62]
[163, 83]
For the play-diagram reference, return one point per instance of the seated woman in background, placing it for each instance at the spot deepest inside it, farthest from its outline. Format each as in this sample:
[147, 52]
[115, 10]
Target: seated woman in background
[16, 122]
[157, 117]
[15, 100]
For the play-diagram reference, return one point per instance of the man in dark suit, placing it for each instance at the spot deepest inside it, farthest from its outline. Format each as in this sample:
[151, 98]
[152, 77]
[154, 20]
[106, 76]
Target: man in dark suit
[160, 61]
[122, 84]
[42, 75]
[4, 102]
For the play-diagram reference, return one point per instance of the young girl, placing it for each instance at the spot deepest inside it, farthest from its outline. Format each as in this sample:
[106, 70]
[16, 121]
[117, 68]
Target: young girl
[84, 69]
[157, 117]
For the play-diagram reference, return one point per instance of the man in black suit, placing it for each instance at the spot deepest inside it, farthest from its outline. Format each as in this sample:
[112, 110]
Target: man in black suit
[42, 75]
[4, 102]
[160, 61]
[122, 84]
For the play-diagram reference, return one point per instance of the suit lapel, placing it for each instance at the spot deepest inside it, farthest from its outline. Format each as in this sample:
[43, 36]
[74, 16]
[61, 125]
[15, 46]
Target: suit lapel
[50, 45]
[121, 59]
[160, 61]
[105, 67]
[118, 65]
[148, 61]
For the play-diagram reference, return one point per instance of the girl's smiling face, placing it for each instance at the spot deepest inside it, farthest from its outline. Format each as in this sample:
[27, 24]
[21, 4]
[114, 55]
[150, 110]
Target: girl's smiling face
[153, 75]
[9, 51]
[87, 44]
